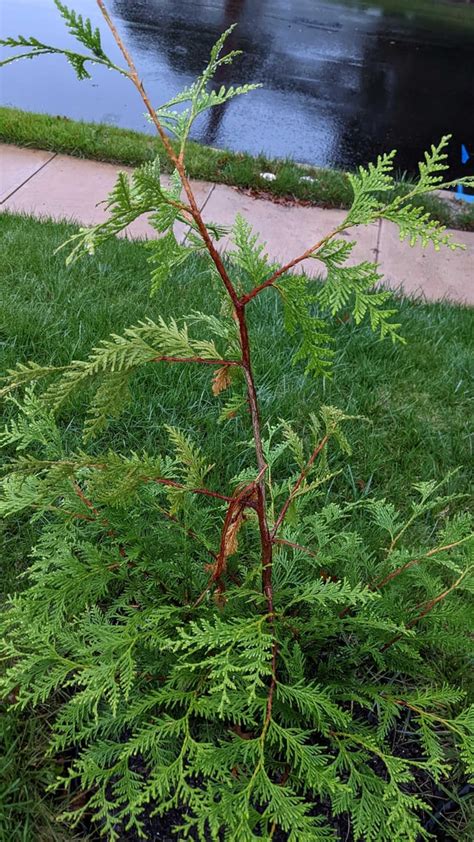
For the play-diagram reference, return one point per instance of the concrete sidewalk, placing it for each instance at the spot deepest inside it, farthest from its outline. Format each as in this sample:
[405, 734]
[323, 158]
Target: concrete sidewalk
[58, 186]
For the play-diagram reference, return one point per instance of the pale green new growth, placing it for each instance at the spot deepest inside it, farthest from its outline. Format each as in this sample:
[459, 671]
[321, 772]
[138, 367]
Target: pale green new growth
[199, 97]
[370, 184]
[81, 30]
[249, 255]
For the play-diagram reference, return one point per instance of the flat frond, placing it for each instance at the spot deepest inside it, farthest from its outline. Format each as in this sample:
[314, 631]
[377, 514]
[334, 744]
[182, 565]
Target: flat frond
[315, 341]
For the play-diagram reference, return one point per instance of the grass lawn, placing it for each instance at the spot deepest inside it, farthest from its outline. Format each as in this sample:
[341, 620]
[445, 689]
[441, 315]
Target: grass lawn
[440, 13]
[416, 400]
[330, 188]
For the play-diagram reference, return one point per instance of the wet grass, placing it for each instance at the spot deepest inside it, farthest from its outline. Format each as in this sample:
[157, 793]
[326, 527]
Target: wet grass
[438, 13]
[26, 815]
[102, 142]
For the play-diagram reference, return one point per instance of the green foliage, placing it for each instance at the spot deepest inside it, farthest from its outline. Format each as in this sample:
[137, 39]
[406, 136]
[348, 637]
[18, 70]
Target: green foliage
[81, 29]
[371, 183]
[367, 185]
[255, 659]
[131, 197]
[299, 298]
[249, 255]
[351, 287]
[199, 96]
[114, 362]
[151, 737]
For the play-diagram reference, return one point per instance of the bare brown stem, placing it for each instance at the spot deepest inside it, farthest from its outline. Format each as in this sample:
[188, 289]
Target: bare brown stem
[85, 500]
[408, 564]
[265, 537]
[100, 466]
[179, 485]
[230, 528]
[288, 266]
[177, 160]
[75, 515]
[206, 492]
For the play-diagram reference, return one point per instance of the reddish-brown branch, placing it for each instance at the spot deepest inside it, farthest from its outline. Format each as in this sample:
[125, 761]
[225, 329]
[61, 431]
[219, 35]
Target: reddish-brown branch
[207, 492]
[179, 164]
[179, 485]
[230, 527]
[428, 607]
[76, 515]
[265, 537]
[234, 511]
[167, 359]
[317, 450]
[243, 499]
[376, 586]
[85, 500]
[176, 159]
[408, 564]
[394, 574]
[287, 267]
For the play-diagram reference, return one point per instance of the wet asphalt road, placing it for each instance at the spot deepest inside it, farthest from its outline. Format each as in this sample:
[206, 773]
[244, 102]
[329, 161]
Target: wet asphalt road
[341, 81]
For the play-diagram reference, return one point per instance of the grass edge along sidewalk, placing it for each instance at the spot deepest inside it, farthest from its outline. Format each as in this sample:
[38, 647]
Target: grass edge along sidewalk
[294, 182]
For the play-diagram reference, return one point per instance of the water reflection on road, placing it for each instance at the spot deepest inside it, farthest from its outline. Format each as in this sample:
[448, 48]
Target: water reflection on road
[341, 81]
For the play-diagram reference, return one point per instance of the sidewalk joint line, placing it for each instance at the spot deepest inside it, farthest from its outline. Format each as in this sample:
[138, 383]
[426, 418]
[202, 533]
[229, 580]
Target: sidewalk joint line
[377, 244]
[12, 193]
[211, 191]
[188, 229]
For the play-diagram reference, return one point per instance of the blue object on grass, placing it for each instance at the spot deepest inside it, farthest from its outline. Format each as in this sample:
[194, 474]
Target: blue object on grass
[465, 156]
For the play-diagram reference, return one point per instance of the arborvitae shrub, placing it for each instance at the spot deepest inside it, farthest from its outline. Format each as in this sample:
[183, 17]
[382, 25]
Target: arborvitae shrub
[247, 653]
